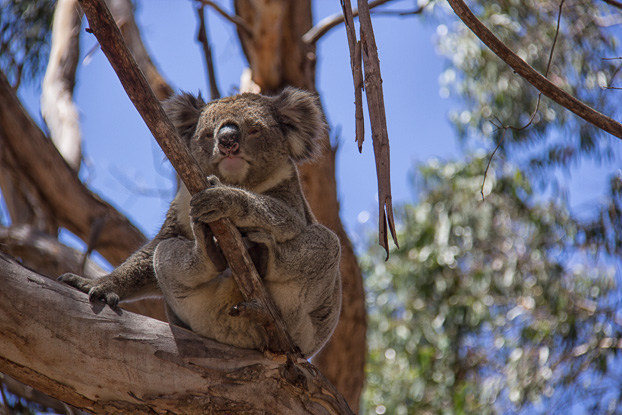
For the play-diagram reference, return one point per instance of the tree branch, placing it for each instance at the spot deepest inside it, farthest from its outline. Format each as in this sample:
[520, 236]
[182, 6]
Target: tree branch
[357, 72]
[521, 67]
[126, 363]
[326, 24]
[57, 106]
[207, 53]
[614, 3]
[52, 180]
[229, 238]
[236, 20]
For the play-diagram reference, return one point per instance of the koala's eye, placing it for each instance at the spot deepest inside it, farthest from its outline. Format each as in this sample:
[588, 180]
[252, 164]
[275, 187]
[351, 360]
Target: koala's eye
[208, 135]
[254, 131]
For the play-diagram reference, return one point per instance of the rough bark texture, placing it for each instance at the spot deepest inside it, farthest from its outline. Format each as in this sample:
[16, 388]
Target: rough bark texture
[128, 363]
[278, 57]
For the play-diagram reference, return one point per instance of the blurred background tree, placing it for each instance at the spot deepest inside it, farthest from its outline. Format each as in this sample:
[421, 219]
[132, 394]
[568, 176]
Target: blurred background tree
[507, 305]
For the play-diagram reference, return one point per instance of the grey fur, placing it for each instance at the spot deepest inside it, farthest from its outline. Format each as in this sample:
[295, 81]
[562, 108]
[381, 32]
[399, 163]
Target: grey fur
[259, 190]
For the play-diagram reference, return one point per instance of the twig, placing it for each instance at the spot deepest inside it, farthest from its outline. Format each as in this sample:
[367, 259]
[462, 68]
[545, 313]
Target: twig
[237, 20]
[327, 23]
[535, 111]
[103, 26]
[378, 121]
[521, 67]
[614, 3]
[207, 52]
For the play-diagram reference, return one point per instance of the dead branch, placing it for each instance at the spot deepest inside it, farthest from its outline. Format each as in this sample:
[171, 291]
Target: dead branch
[57, 106]
[540, 82]
[326, 24]
[126, 363]
[357, 72]
[207, 53]
[377, 116]
[229, 238]
[236, 20]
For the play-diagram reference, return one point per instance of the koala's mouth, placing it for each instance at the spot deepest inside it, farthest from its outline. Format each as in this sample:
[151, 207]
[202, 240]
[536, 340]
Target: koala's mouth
[233, 168]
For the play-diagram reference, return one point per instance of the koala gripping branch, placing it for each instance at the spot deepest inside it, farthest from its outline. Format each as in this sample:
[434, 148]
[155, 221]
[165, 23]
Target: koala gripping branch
[103, 26]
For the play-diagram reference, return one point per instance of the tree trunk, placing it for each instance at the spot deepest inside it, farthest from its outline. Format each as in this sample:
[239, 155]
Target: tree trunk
[128, 363]
[278, 57]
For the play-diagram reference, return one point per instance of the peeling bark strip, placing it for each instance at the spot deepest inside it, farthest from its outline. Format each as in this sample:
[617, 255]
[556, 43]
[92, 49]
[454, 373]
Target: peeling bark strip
[244, 272]
[367, 50]
[126, 363]
[532, 76]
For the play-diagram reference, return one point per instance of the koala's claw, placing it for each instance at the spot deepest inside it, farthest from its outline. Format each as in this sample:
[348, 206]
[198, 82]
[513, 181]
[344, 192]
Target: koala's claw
[213, 181]
[95, 292]
[98, 293]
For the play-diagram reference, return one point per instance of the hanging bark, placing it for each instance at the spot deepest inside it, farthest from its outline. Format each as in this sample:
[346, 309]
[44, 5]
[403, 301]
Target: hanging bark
[126, 363]
[278, 57]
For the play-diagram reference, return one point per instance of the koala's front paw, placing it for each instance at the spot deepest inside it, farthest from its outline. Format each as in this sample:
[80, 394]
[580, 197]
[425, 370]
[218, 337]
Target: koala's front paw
[95, 290]
[214, 203]
[213, 181]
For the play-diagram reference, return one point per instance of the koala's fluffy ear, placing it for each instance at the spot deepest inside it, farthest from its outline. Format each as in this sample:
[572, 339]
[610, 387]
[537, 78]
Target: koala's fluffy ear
[184, 110]
[302, 119]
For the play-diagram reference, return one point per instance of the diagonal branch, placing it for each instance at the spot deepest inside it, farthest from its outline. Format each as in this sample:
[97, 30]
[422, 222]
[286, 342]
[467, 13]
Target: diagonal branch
[522, 68]
[104, 28]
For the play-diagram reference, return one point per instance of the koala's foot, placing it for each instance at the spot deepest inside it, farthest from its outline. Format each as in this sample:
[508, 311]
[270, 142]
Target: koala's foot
[95, 290]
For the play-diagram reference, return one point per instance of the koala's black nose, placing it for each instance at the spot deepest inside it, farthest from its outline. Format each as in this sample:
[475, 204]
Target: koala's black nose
[228, 139]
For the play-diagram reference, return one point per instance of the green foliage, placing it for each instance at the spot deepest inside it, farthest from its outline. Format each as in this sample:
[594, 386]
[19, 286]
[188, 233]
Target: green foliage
[491, 93]
[490, 306]
[25, 28]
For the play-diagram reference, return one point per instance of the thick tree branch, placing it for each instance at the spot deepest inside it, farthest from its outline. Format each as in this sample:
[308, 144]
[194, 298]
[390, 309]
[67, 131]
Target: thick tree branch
[130, 364]
[229, 238]
[71, 204]
[522, 68]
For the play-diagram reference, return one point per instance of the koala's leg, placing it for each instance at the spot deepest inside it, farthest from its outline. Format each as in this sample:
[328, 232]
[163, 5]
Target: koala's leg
[132, 279]
[303, 279]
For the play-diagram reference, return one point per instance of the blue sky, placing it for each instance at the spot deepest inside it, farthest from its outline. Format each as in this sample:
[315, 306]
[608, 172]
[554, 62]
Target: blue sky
[125, 166]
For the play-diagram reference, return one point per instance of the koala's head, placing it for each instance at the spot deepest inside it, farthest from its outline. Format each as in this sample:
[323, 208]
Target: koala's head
[248, 138]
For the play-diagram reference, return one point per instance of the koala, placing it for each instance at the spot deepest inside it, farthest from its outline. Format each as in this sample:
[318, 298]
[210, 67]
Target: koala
[248, 146]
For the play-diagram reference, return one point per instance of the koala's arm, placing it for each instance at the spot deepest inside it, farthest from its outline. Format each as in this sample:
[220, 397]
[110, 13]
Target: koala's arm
[134, 278]
[247, 210]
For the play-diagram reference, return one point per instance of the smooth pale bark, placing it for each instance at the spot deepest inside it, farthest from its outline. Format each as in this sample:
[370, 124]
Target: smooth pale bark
[57, 106]
[114, 361]
[279, 57]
